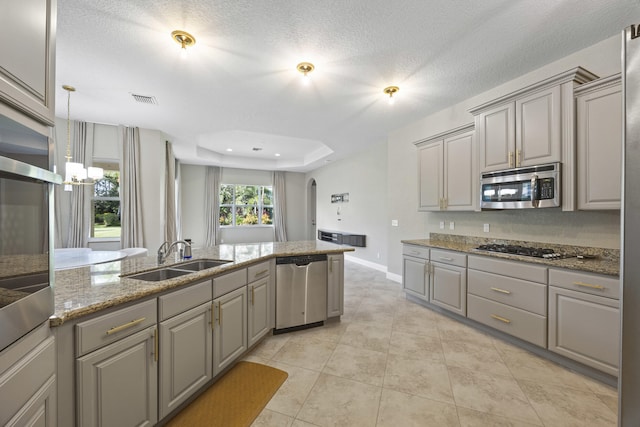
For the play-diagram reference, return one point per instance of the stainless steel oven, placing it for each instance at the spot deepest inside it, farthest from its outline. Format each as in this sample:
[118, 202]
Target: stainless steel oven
[26, 228]
[521, 188]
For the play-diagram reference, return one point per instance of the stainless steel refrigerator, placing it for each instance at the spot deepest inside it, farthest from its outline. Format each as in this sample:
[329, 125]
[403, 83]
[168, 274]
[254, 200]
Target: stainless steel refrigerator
[629, 378]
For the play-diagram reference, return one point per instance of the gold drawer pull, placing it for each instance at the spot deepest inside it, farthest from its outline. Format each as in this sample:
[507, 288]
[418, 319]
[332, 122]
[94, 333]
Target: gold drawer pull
[502, 291]
[260, 273]
[500, 318]
[444, 258]
[131, 324]
[589, 285]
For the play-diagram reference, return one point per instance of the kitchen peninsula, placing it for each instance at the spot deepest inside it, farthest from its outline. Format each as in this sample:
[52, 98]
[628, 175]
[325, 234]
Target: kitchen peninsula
[164, 341]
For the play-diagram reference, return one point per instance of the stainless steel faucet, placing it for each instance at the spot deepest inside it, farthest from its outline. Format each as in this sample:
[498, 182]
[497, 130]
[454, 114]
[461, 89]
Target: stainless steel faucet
[166, 248]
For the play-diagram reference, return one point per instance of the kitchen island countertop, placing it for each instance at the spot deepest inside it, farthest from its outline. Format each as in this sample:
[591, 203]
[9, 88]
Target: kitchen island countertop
[86, 290]
[606, 261]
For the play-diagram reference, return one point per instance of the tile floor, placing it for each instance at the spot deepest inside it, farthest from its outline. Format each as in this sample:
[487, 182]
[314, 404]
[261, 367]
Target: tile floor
[390, 362]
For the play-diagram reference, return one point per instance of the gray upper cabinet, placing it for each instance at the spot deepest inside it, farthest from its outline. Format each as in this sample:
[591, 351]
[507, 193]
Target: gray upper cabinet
[599, 147]
[447, 171]
[27, 57]
[496, 136]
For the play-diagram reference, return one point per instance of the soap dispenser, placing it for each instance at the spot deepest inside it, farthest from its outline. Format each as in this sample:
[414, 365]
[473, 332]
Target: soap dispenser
[187, 249]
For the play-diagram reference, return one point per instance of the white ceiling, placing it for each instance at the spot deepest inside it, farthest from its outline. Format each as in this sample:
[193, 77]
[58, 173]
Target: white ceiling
[238, 87]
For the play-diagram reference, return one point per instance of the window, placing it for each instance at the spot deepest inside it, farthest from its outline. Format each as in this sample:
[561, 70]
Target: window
[243, 205]
[105, 205]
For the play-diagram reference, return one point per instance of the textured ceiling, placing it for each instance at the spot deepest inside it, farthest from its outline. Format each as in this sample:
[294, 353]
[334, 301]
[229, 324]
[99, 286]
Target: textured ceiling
[238, 87]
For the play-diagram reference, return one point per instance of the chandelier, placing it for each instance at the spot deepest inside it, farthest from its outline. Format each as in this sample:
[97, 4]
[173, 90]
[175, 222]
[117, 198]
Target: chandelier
[76, 173]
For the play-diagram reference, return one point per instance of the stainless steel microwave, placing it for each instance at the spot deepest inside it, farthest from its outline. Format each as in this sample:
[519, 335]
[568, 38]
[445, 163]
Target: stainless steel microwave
[521, 188]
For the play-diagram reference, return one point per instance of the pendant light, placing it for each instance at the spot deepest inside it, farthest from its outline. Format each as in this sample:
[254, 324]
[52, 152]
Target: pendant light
[76, 173]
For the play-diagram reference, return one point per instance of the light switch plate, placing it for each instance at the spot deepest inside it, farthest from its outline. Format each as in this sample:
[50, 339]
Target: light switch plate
[452, 226]
[441, 225]
[394, 222]
[486, 228]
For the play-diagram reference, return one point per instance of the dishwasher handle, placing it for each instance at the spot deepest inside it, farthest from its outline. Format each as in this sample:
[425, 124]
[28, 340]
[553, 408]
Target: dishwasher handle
[301, 260]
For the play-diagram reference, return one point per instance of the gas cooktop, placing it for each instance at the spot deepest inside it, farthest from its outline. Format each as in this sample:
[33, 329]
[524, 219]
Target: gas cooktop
[522, 250]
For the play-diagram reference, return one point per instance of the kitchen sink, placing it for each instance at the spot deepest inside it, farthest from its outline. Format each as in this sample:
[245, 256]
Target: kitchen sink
[201, 264]
[158, 275]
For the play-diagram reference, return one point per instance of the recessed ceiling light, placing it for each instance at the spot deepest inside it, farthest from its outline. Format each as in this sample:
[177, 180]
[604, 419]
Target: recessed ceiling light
[305, 68]
[277, 154]
[229, 149]
[183, 38]
[390, 90]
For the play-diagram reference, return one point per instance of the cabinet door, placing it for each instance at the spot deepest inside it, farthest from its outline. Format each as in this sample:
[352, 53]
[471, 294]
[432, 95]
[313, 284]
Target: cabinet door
[459, 173]
[259, 311]
[415, 280]
[27, 64]
[599, 149]
[431, 177]
[335, 286]
[585, 328]
[117, 384]
[449, 287]
[495, 129]
[185, 356]
[538, 131]
[230, 328]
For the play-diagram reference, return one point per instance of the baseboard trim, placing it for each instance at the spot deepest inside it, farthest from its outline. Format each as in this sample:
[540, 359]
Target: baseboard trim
[366, 263]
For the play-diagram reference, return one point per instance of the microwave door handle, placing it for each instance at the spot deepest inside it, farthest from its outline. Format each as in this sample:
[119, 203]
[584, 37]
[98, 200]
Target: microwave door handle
[535, 201]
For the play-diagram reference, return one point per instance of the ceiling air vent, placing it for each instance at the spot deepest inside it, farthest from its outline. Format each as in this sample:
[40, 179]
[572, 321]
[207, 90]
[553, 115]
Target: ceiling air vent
[143, 99]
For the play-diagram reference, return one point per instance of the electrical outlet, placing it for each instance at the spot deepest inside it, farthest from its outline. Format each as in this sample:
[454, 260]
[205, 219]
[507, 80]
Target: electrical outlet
[378, 255]
[394, 222]
[452, 226]
[441, 225]
[485, 228]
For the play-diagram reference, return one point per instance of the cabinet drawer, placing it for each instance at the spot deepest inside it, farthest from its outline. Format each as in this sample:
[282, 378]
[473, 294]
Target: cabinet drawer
[448, 257]
[596, 284]
[111, 327]
[519, 270]
[415, 251]
[258, 271]
[517, 293]
[180, 301]
[513, 321]
[229, 282]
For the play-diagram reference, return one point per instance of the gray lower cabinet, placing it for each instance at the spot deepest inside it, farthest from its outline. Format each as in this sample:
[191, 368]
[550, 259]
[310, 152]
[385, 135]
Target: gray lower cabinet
[449, 281]
[186, 359]
[258, 309]
[28, 381]
[230, 328]
[335, 285]
[585, 326]
[415, 271]
[117, 384]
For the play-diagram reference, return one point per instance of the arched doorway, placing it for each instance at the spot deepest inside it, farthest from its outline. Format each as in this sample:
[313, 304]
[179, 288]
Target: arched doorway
[311, 210]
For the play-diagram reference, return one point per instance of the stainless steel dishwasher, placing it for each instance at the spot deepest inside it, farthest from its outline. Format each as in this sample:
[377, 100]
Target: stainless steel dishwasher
[301, 292]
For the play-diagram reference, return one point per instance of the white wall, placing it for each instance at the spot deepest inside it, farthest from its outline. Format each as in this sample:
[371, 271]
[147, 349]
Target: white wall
[364, 177]
[600, 229]
[193, 214]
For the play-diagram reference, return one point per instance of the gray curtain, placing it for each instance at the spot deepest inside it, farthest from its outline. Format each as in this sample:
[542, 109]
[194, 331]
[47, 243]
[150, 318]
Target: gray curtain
[212, 206]
[170, 230]
[79, 223]
[280, 207]
[130, 208]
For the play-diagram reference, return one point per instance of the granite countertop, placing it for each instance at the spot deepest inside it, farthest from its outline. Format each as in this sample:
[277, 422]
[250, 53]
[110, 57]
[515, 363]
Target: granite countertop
[606, 261]
[85, 290]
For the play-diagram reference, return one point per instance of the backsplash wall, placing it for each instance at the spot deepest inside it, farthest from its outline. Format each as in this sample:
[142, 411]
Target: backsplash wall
[597, 228]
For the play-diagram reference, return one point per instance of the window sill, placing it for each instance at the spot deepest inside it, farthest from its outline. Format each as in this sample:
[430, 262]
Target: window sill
[103, 239]
[226, 227]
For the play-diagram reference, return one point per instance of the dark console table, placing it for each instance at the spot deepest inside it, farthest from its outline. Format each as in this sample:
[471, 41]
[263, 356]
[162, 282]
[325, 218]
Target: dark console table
[342, 238]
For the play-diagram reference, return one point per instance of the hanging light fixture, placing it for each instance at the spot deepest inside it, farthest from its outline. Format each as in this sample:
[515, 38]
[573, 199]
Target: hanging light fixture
[390, 90]
[305, 68]
[76, 173]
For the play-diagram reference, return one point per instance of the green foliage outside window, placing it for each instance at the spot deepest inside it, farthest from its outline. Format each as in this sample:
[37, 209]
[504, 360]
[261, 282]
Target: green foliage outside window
[243, 205]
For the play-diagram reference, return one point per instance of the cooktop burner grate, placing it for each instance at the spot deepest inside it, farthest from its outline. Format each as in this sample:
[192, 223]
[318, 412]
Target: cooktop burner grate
[521, 250]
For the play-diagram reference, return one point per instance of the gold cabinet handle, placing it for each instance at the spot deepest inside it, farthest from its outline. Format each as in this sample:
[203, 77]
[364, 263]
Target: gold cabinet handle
[510, 159]
[220, 314]
[500, 318]
[252, 295]
[213, 314]
[131, 324]
[502, 291]
[444, 258]
[445, 202]
[589, 285]
[518, 158]
[260, 273]
[155, 344]
[331, 262]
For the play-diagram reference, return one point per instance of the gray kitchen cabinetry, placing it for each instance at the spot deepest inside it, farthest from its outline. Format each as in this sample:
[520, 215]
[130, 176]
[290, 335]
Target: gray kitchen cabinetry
[229, 318]
[509, 296]
[448, 287]
[415, 271]
[599, 143]
[186, 349]
[447, 171]
[584, 318]
[335, 285]
[117, 377]
[28, 380]
[27, 63]
[259, 310]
